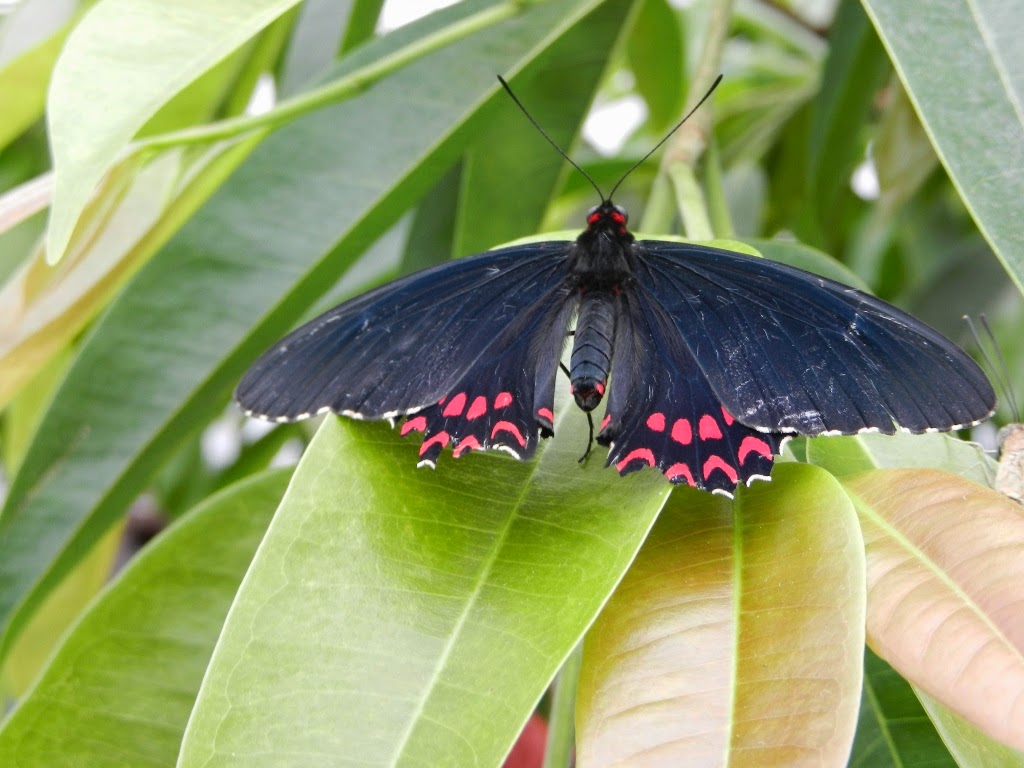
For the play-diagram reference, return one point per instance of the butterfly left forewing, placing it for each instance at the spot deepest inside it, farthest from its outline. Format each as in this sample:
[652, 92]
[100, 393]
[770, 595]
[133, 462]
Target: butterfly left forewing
[404, 345]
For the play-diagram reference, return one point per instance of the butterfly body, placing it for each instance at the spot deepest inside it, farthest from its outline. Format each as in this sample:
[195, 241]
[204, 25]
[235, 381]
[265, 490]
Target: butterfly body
[704, 359]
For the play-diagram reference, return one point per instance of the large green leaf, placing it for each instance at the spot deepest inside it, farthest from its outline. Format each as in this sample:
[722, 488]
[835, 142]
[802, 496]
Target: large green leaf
[893, 730]
[959, 63]
[735, 639]
[161, 361]
[854, 71]
[120, 689]
[122, 62]
[396, 616]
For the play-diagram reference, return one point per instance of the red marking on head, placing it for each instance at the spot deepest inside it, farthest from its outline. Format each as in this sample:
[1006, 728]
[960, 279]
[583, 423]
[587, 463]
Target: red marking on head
[637, 453]
[595, 217]
[618, 218]
[503, 399]
[599, 387]
[728, 417]
[709, 429]
[545, 413]
[656, 421]
[605, 420]
[414, 425]
[717, 462]
[454, 408]
[512, 429]
[478, 408]
[440, 437]
[682, 432]
[751, 445]
[468, 443]
[679, 470]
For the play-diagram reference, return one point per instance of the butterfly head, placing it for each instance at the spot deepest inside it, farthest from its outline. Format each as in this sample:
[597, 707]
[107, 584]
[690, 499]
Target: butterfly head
[608, 217]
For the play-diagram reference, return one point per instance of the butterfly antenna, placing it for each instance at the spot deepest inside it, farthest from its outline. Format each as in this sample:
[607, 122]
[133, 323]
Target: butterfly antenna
[668, 135]
[551, 141]
[1000, 371]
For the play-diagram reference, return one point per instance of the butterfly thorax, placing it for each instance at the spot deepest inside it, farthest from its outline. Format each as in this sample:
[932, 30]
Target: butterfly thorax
[601, 269]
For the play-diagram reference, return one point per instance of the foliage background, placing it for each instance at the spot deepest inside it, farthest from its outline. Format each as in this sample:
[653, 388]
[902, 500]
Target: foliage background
[374, 614]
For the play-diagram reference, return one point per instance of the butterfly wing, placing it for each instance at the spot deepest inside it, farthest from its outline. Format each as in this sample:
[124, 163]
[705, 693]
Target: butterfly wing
[662, 412]
[786, 350]
[483, 326]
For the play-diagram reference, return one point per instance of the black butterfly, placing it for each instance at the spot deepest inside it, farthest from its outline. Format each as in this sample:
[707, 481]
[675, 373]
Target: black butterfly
[707, 358]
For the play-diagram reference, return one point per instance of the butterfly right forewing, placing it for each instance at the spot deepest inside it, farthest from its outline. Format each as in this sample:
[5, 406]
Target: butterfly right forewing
[789, 351]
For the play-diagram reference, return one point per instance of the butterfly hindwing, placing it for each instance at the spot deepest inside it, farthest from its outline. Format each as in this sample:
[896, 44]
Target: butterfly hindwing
[405, 345]
[662, 412]
[790, 351]
[506, 399]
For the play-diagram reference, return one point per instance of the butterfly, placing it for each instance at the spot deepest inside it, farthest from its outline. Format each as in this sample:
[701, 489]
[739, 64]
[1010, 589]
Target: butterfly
[706, 359]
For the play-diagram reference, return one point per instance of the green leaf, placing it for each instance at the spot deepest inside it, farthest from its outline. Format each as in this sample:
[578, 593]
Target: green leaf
[736, 637]
[120, 688]
[959, 64]
[847, 455]
[854, 71]
[259, 253]
[893, 730]
[122, 62]
[413, 617]
[510, 167]
[903, 155]
[969, 745]
[314, 43]
[657, 56]
[23, 83]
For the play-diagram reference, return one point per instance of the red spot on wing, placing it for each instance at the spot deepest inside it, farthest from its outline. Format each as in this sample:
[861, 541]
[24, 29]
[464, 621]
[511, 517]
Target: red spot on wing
[753, 444]
[637, 453]
[478, 408]
[709, 429]
[454, 408]
[605, 420]
[441, 401]
[717, 462]
[679, 470]
[545, 413]
[728, 417]
[512, 429]
[441, 438]
[468, 443]
[414, 425]
[503, 399]
[682, 432]
[656, 421]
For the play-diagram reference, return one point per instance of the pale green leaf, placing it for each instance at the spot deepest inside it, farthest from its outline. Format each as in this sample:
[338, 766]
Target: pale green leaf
[122, 62]
[396, 616]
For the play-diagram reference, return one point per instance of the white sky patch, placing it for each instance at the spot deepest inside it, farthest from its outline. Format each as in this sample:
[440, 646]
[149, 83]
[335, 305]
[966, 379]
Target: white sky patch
[609, 125]
[221, 443]
[397, 13]
[864, 181]
[264, 96]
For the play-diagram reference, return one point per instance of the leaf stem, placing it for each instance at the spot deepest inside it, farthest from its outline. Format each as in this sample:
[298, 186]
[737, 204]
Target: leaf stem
[339, 89]
[561, 723]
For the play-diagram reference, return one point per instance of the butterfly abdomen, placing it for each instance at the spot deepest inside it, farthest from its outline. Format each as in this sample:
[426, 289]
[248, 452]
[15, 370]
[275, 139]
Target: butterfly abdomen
[592, 347]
